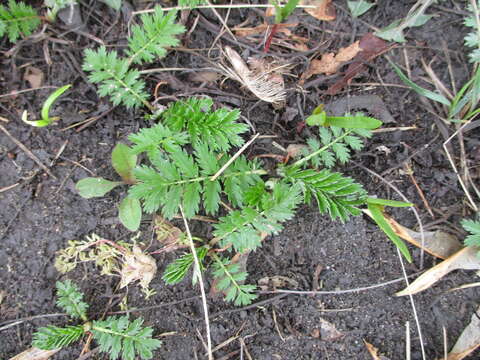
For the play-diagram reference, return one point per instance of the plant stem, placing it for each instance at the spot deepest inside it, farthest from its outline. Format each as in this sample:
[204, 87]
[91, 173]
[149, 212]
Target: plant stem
[322, 149]
[204, 178]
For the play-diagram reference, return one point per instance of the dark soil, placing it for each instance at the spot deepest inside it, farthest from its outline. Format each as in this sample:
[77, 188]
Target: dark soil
[41, 213]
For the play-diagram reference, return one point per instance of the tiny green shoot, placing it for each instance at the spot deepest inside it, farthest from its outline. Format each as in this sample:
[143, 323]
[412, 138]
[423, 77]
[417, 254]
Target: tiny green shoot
[46, 119]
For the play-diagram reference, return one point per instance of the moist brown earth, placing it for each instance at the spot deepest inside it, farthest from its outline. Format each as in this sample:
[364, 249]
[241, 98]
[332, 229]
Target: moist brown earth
[41, 213]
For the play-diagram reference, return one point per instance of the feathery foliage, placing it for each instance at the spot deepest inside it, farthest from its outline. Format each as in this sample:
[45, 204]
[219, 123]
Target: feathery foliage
[265, 212]
[334, 193]
[70, 299]
[188, 164]
[177, 270]
[120, 336]
[54, 337]
[339, 151]
[219, 129]
[116, 336]
[17, 20]
[122, 84]
[113, 73]
[473, 227]
[148, 41]
[472, 39]
[181, 179]
[157, 139]
[229, 276]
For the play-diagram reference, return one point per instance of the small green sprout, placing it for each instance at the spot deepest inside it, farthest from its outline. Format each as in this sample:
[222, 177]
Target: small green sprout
[46, 119]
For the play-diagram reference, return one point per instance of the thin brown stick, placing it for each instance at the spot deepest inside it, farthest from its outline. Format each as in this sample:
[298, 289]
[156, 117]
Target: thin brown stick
[28, 152]
[409, 172]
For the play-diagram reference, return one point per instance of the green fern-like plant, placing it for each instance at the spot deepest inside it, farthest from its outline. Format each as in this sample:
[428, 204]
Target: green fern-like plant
[114, 74]
[118, 337]
[115, 78]
[149, 40]
[187, 169]
[18, 19]
[70, 299]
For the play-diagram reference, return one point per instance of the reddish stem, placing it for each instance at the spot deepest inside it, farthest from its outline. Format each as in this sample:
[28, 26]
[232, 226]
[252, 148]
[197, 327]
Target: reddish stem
[270, 38]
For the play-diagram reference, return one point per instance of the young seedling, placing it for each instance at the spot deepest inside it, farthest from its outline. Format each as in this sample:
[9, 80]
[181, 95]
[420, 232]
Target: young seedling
[116, 75]
[117, 336]
[46, 119]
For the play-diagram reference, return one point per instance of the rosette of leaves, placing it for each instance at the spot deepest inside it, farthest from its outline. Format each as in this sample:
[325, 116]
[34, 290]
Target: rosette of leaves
[189, 161]
[117, 336]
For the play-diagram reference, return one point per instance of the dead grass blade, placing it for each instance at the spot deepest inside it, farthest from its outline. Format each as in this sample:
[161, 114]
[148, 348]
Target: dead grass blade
[468, 341]
[35, 354]
[465, 259]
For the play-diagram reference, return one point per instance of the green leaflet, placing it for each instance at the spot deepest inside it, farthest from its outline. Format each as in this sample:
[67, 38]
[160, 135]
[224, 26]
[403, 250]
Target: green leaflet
[114, 77]
[124, 161]
[473, 227]
[17, 20]
[70, 299]
[335, 194]
[229, 277]
[218, 129]
[130, 213]
[53, 337]
[182, 179]
[360, 7]
[177, 270]
[95, 187]
[125, 338]
[148, 42]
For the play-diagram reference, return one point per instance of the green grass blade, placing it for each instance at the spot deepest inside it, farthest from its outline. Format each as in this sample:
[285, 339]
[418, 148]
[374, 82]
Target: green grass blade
[418, 89]
[385, 202]
[377, 216]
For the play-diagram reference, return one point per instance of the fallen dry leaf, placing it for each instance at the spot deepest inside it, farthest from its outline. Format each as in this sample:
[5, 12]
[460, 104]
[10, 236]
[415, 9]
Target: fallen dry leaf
[137, 266]
[204, 76]
[330, 63]
[437, 243]
[35, 354]
[324, 9]
[465, 259]
[274, 282]
[374, 351]
[169, 235]
[328, 331]
[34, 76]
[468, 341]
[371, 47]
[262, 28]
